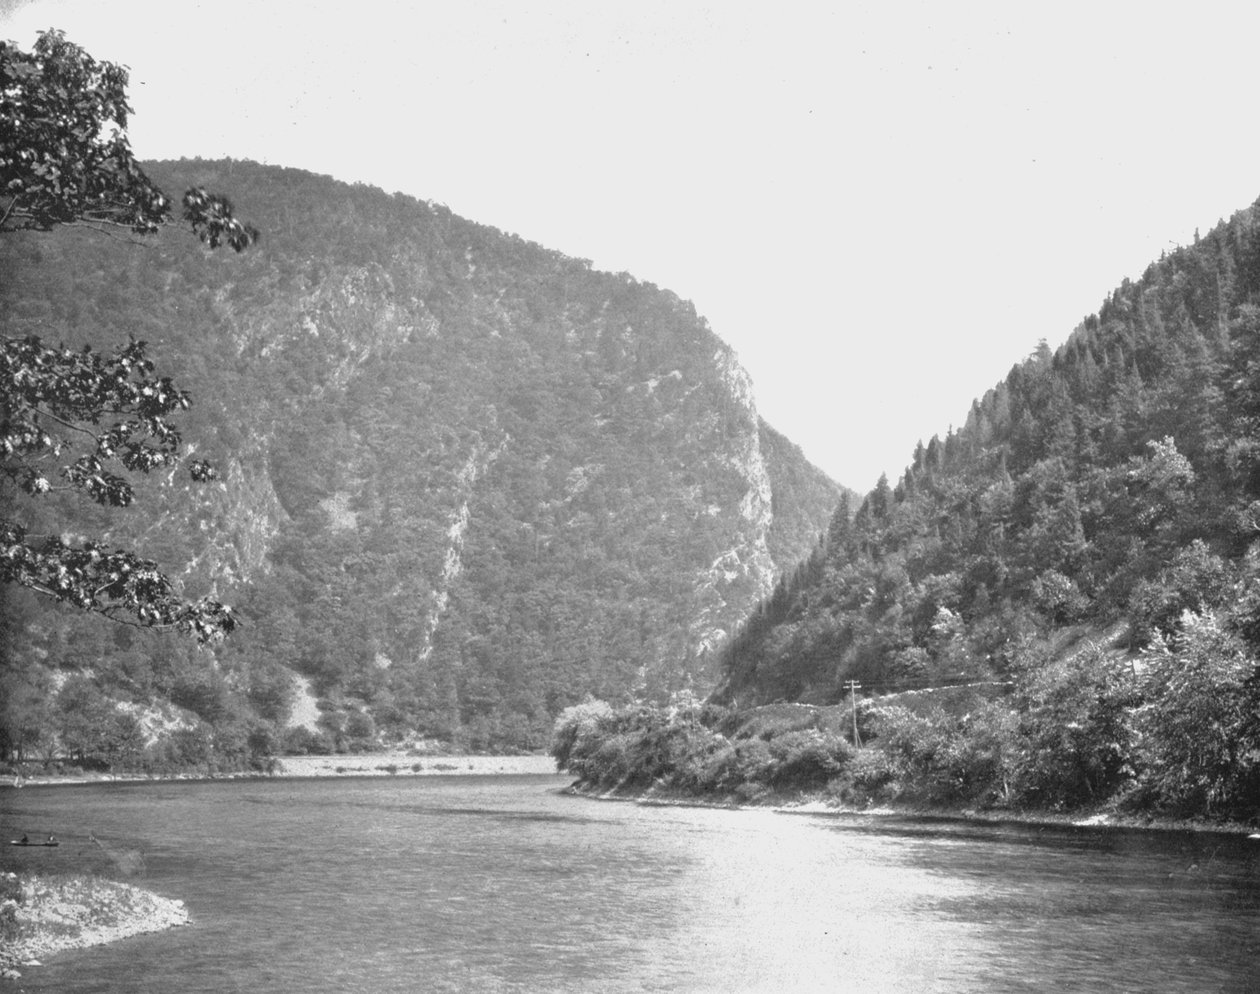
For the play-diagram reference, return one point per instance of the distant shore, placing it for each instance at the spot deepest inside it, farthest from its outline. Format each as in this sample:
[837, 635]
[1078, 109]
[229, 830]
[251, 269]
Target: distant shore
[401, 764]
[381, 764]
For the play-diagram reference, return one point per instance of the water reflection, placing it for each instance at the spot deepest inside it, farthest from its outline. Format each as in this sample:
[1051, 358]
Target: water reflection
[502, 884]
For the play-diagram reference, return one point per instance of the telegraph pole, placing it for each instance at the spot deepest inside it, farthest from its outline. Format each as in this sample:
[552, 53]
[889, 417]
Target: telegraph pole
[853, 686]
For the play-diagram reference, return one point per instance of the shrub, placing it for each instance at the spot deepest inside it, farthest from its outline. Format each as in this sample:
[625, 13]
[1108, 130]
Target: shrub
[1196, 581]
[576, 733]
[612, 763]
[662, 752]
[301, 741]
[702, 770]
[806, 760]
[942, 759]
[871, 775]
[1074, 741]
[1201, 724]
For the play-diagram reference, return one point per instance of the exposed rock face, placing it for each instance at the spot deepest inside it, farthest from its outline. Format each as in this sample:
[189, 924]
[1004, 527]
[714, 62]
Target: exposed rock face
[513, 479]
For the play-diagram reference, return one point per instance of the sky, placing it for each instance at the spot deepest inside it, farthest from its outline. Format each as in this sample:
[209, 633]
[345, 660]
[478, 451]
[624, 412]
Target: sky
[881, 206]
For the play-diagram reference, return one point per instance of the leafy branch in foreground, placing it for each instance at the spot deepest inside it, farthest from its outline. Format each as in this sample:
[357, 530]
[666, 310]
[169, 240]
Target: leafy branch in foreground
[54, 398]
[69, 418]
[65, 157]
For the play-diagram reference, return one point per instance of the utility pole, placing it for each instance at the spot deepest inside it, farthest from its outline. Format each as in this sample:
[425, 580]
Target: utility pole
[853, 686]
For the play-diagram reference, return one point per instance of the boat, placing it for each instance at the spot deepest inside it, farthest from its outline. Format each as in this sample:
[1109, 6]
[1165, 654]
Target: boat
[23, 842]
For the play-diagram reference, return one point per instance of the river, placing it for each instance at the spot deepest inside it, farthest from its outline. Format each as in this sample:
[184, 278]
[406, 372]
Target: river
[502, 883]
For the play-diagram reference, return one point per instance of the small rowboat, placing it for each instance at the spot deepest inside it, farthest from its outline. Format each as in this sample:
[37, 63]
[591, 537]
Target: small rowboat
[20, 842]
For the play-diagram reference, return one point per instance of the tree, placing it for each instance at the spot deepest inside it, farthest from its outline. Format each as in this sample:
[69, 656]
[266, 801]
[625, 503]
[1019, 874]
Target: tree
[1074, 743]
[65, 157]
[1200, 728]
[67, 416]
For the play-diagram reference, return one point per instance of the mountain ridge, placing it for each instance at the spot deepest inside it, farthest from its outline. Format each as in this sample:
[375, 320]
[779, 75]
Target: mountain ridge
[465, 480]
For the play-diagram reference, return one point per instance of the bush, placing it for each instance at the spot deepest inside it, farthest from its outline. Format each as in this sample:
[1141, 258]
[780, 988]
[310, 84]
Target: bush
[662, 753]
[1200, 727]
[1074, 741]
[705, 768]
[1196, 581]
[806, 760]
[576, 733]
[941, 759]
[301, 741]
[871, 775]
[611, 763]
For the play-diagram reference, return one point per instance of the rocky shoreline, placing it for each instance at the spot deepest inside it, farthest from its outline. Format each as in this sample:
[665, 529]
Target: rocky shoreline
[56, 913]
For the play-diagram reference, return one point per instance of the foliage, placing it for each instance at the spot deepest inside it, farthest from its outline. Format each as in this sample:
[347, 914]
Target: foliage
[576, 730]
[1194, 581]
[66, 392]
[806, 760]
[65, 160]
[1075, 740]
[1200, 722]
[643, 746]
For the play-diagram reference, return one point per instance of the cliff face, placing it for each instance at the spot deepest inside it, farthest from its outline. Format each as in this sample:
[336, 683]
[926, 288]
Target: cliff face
[464, 480]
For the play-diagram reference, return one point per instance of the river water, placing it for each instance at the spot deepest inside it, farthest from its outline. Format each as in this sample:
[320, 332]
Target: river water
[502, 883]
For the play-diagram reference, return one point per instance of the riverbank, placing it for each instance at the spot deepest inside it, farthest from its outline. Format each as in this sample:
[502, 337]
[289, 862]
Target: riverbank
[56, 913]
[382, 764]
[813, 805]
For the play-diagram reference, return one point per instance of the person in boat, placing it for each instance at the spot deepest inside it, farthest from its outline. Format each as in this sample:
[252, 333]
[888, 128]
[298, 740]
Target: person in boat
[52, 839]
[25, 840]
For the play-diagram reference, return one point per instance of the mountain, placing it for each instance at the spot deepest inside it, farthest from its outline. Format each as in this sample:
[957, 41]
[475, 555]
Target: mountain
[1097, 493]
[1055, 608]
[464, 480]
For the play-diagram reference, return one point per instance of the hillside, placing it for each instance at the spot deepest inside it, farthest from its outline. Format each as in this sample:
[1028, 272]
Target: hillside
[1111, 482]
[465, 480]
[1080, 562]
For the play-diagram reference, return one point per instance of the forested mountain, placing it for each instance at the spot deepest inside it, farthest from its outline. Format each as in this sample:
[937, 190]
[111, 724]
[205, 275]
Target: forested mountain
[1099, 491]
[464, 480]
[1057, 606]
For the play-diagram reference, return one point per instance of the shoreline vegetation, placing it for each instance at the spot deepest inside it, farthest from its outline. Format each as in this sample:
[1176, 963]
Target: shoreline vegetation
[45, 914]
[1073, 753]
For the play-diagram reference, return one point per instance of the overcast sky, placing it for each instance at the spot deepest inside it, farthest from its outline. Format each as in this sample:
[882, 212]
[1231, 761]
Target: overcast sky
[882, 206]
